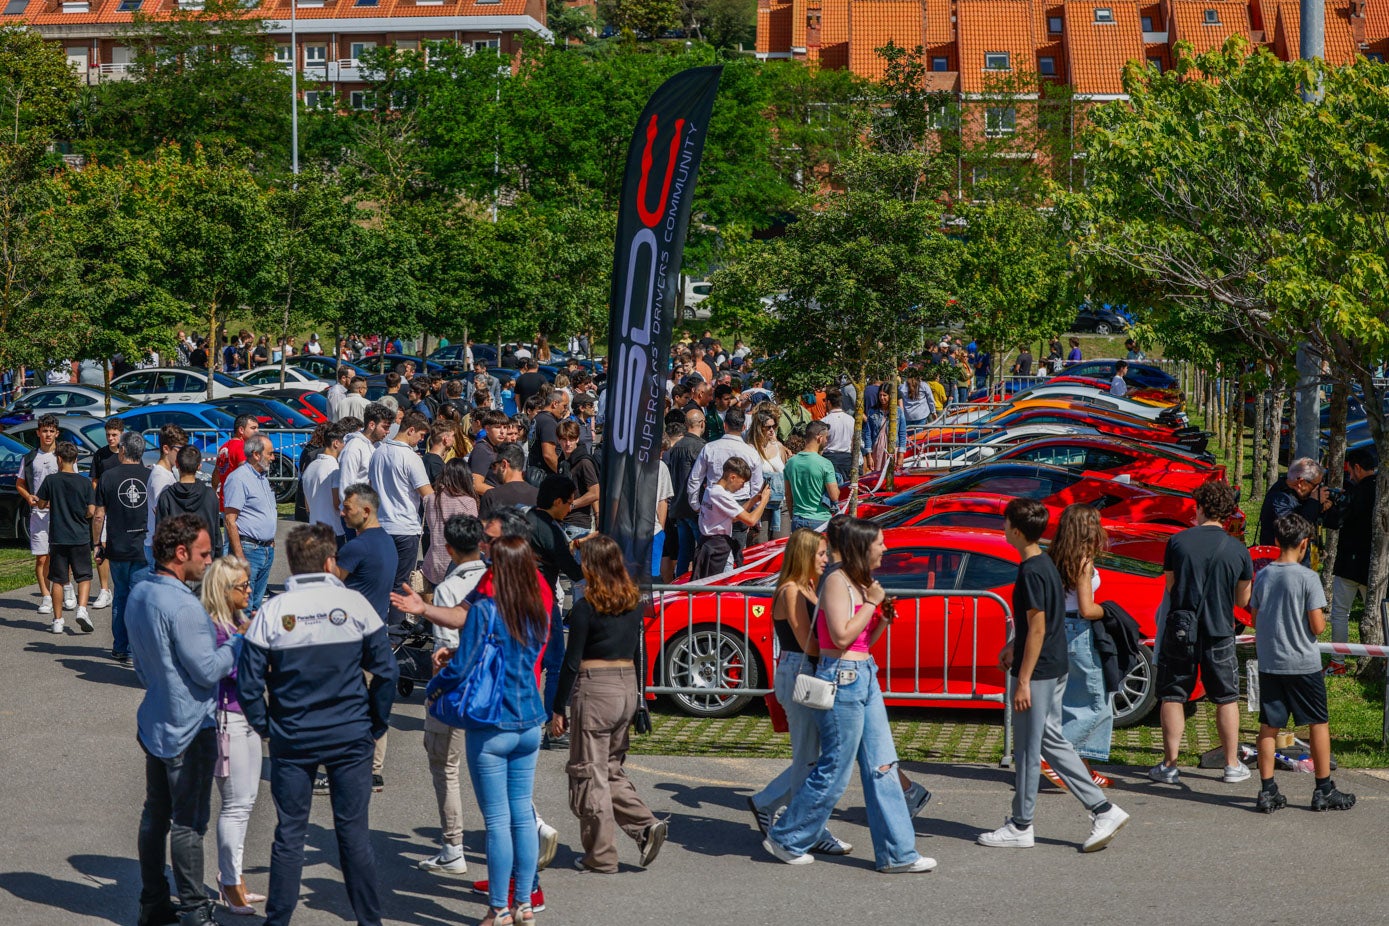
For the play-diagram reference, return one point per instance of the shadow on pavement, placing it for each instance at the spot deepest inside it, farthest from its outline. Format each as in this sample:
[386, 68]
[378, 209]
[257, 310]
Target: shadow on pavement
[108, 888]
[87, 663]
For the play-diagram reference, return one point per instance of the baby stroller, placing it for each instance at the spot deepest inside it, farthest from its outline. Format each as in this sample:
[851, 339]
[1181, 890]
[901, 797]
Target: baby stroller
[413, 645]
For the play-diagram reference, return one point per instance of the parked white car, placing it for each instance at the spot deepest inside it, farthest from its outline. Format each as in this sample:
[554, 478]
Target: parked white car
[269, 375]
[177, 385]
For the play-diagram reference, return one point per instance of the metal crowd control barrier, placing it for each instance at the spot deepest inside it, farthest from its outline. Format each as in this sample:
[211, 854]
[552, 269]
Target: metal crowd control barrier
[287, 443]
[712, 659]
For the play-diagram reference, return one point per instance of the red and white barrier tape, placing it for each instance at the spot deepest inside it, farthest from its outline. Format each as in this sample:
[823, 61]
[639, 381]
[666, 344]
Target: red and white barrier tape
[1343, 649]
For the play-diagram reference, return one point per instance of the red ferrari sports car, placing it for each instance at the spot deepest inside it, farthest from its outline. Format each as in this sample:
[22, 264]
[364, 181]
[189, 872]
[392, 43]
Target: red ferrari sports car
[989, 423]
[939, 646]
[1113, 456]
[1120, 499]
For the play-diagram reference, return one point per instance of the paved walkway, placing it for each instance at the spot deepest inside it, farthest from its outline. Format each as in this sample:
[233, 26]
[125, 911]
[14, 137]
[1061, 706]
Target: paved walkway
[73, 785]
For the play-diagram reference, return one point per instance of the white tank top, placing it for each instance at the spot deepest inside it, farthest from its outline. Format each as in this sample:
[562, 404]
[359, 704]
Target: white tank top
[1071, 603]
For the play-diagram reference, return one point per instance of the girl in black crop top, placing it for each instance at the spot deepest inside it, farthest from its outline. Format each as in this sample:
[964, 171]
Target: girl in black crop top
[600, 669]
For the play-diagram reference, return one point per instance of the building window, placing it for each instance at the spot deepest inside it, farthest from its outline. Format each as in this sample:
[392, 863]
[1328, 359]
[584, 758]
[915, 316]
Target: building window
[15, 7]
[1211, 17]
[1054, 25]
[128, 6]
[996, 61]
[940, 63]
[76, 6]
[362, 99]
[1000, 121]
[1155, 64]
[940, 118]
[366, 3]
[1148, 24]
[1104, 14]
[282, 54]
[315, 56]
[1046, 66]
[487, 44]
[312, 98]
[358, 49]
[1374, 56]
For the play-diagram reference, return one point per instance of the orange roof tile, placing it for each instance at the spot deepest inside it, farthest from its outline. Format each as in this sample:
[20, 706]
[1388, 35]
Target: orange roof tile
[1376, 20]
[873, 23]
[1159, 51]
[1154, 12]
[834, 26]
[800, 9]
[1189, 23]
[994, 26]
[939, 26]
[1339, 46]
[1098, 51]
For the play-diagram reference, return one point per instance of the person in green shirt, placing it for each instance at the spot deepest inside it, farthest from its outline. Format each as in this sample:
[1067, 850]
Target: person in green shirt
[809, 478]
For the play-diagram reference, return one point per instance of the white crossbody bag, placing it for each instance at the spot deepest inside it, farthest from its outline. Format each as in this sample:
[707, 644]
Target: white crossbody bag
[812, 691]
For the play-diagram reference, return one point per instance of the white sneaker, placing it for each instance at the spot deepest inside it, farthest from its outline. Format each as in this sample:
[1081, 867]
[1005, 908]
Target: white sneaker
[46, 605]
[1103, 827]
[922, 863]
[786, 856]
[69, 597]
[84, 620]
[1008, 836]
[1165, 774]
[103, 600]
[549, 845]
[57, 626]
[449, 861]
[1236, 773]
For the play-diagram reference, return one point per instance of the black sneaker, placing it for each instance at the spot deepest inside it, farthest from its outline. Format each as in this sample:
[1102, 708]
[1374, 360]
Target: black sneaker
[198, 916]
[761, 817]
[1332, 799]
[158, 914]
[378, 784]
[652, 838]
[122, 658]
[1269, 801]
[320, 783]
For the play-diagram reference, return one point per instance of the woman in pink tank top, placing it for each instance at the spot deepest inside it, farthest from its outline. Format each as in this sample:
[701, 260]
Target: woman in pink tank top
[855, 729]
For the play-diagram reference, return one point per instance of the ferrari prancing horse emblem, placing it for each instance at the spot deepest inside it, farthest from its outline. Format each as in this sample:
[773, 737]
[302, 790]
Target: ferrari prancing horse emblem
[758, 610]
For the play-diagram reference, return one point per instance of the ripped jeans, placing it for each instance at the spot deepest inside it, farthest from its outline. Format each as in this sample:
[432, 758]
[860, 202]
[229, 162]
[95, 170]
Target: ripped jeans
[854, 730]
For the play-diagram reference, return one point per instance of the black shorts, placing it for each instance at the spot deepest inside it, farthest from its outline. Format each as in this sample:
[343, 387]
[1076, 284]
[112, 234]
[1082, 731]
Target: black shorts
[65, 556]
[1219, 670]
[1302, 696]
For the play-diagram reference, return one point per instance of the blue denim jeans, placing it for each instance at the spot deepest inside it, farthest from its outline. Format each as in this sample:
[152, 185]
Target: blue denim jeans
[124, 577]
[1087, 718]
[501, 764]
[553, 659]
[261, 559]
[658, 544]
[805, 738]
[813, 524]
[687, 532]
[855, 729]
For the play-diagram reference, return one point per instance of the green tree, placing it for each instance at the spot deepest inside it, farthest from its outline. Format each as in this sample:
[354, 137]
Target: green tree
[37, 87]
[201, 77]
[721, 23]
[648, 19]
[1220, 186]
[1014, 277]
[570, 23]
[818, 115]
[856, 276]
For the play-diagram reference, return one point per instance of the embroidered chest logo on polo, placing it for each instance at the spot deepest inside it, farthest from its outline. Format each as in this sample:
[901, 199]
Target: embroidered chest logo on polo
[288, 622]
[337, 617]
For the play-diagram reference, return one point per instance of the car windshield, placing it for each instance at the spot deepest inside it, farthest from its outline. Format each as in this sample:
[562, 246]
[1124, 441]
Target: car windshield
[1137, 567]
[293, 418]
[223, 379]
[900, 515]
[218, 418]
[11, 452]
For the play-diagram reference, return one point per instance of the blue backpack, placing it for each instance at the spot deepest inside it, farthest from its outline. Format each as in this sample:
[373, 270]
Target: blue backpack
[468, 692]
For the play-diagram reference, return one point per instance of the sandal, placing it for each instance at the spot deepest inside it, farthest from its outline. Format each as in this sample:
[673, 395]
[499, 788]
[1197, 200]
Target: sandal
[498, 917]
[522, 913]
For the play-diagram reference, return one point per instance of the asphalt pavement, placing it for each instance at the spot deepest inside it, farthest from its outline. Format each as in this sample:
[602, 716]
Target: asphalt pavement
[72, 789]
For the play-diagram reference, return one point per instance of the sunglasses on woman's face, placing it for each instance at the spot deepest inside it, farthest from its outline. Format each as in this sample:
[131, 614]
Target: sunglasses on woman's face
[242, 586]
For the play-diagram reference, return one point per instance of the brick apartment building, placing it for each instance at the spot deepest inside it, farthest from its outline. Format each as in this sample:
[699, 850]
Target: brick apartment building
[1082, 43]
[331, 34]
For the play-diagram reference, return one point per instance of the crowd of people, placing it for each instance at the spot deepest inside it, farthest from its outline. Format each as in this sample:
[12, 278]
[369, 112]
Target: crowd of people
[434, 504]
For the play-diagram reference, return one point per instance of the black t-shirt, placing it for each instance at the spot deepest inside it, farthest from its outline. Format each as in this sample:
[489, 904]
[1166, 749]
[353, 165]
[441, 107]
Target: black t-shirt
[546, 431]
[1206, 564]
[68, 496]
[527, 385]
[583, 469]
[103, 460]
[369, 559]
[1039, 588]
[122, 493]
[433, 466]
[481, 459]
[597, 636]
[509, 494]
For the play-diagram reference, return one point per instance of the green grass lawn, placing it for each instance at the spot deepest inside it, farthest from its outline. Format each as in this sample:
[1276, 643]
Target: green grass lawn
[16, 567]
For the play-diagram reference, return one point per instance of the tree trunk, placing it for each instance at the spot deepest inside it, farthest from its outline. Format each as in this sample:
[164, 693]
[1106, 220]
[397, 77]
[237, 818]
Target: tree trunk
[892, 404]
[1275, 432]
[214, 350]
[1335, 471]
[1371, 630]
[284, 335]
[106, 375]
[856, 449]
[1257, 466]
[1237, 414]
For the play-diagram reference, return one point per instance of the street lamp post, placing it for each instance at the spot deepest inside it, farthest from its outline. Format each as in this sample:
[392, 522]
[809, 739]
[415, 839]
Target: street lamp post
[294, 86]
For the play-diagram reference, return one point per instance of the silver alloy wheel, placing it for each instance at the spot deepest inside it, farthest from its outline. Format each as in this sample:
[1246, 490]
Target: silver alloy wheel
[713, 659]
[1137, 694]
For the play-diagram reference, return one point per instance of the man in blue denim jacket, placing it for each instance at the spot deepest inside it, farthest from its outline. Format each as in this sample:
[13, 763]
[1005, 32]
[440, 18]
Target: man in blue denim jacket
[307, 650]
[179, 663]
